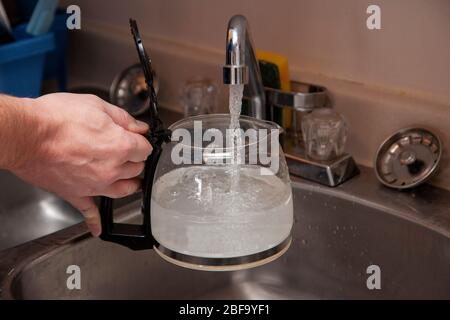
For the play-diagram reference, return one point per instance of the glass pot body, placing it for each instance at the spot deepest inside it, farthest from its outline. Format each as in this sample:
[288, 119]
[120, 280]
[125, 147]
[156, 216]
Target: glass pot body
[206, 204]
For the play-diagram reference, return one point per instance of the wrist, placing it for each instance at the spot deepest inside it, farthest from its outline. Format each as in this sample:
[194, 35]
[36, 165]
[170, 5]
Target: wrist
[20, 132]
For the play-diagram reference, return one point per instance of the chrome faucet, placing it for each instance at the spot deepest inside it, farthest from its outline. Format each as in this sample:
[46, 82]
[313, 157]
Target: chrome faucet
[242, 66]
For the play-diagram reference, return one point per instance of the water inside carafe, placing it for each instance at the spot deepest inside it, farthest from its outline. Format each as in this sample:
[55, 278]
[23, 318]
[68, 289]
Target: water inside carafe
[196, 212]
[222, 211]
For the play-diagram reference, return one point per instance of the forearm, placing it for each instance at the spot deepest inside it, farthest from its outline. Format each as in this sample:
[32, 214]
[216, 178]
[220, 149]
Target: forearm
[19, 132]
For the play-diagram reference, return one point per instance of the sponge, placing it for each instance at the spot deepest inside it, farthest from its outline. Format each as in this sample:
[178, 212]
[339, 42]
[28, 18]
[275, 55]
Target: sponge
[275, 74]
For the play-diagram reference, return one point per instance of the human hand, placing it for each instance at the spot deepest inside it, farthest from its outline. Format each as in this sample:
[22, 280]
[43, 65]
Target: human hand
[80, 146]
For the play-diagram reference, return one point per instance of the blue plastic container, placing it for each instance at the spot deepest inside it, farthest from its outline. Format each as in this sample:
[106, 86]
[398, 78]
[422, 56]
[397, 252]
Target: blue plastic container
[22, 63]
[56, 61]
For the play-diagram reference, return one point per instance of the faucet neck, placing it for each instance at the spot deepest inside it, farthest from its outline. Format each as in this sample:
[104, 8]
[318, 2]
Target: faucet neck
[242, 66]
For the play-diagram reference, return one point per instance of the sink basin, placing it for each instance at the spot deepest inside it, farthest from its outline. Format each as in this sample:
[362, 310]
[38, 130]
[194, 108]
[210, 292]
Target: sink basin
[338, 234]
[28, 213]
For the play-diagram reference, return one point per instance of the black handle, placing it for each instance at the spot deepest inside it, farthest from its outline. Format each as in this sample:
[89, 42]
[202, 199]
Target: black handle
[139, 237]
[135, 237]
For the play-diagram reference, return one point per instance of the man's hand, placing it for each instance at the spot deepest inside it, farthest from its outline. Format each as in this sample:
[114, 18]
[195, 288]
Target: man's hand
[79, 146]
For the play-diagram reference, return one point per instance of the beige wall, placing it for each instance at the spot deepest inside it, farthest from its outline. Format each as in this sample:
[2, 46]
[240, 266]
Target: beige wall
[380, 80]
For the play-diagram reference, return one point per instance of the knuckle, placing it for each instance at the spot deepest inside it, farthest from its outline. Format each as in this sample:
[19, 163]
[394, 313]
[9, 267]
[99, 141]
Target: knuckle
[142, 145]
[122, 115]
[128, 144]
[140, 168]
[148, 146]
[136, 170]
[125, 189]
[103, 122]
[88, 213]
[87, 208]
[133, 144]
[108, 174]
[95, 99]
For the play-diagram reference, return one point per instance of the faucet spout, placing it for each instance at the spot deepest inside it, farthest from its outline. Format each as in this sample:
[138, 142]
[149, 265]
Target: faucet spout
[242, 67]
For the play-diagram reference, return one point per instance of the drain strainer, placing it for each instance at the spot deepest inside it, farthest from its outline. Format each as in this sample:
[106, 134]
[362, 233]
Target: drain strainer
[408, 158]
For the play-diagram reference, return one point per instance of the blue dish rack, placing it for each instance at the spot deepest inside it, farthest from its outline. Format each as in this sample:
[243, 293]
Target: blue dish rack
[25, 63]
[22, 63]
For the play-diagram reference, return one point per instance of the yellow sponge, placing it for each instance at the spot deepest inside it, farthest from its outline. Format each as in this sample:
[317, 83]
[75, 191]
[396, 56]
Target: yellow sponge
[281, 62]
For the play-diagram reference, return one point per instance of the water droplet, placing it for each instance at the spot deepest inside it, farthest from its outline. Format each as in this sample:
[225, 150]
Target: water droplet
[305, 242]
[309, 227]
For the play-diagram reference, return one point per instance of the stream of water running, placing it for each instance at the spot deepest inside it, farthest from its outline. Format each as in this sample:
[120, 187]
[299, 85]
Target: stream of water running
[236, 96]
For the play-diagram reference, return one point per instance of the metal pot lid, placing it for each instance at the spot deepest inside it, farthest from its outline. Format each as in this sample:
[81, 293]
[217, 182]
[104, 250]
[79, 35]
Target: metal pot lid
[129, 90]
[408, 158]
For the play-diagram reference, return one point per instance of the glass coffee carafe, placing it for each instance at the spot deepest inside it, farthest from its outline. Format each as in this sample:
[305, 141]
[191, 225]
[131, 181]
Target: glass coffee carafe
[214, 198]
[207, 211]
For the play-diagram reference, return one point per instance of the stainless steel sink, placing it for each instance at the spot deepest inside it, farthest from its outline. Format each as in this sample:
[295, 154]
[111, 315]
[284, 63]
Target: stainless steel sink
[338, 234]
[28, 213]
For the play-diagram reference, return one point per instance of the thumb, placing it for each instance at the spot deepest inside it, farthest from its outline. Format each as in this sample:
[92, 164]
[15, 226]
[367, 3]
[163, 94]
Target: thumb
[90, 212]
[125, 120]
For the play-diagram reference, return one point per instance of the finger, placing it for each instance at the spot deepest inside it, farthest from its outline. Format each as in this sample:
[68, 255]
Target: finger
[125, 120]
[122, 188]
[130, 170]
[90, 212]
[138, 148]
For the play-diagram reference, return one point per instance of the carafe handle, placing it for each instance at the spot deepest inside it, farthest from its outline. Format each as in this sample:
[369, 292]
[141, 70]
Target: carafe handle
[135, 237]
[139, 237]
